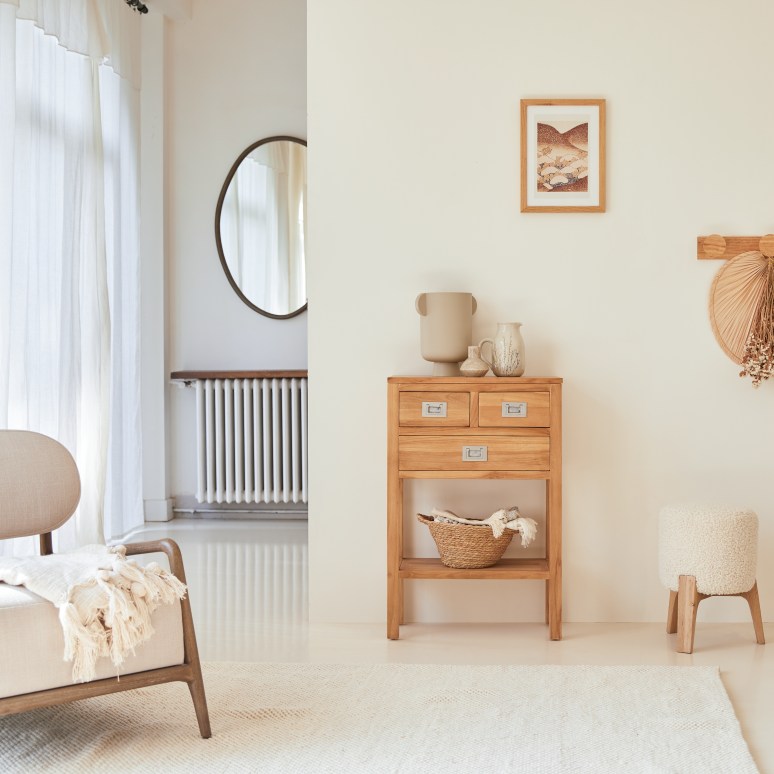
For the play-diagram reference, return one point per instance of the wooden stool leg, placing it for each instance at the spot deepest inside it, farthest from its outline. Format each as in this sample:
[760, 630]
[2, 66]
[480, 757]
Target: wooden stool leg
[753, 600]
[672, 614]
[687, 603]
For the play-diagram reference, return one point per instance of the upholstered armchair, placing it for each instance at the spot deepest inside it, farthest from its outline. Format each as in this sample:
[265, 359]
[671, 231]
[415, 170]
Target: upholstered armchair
[39, 491]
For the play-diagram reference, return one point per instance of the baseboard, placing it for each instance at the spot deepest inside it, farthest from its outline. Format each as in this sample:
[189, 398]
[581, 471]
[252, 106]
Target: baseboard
[188, 507]
[159, 510]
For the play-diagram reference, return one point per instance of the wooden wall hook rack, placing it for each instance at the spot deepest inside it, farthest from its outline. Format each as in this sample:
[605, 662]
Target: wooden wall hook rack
[715, 246]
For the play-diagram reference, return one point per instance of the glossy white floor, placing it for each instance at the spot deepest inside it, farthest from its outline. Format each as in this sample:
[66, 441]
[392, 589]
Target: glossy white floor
[248, 591]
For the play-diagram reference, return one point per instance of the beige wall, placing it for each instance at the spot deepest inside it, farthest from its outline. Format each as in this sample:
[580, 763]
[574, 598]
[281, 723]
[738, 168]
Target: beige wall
[236, 72]
[414, 170]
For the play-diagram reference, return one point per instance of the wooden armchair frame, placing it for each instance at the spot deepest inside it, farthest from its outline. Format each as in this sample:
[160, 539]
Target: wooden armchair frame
[188, 672]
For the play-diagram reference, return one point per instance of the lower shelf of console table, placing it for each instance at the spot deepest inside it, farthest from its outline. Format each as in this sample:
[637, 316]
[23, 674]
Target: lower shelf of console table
[505, 569]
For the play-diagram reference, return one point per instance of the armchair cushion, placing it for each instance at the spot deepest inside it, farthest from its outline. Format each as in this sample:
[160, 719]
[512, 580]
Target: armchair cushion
[32, 644]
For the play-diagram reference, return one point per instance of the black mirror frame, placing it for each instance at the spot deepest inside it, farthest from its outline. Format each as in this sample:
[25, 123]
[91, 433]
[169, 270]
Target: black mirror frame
[219, 243]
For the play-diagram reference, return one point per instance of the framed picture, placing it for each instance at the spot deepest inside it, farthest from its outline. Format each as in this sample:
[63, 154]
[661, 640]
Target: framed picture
[562, 155]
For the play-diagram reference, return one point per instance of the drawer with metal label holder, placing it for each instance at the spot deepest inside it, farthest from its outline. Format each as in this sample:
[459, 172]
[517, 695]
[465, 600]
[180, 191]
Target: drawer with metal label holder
[514, 409]
[434, 409]
[491, 452]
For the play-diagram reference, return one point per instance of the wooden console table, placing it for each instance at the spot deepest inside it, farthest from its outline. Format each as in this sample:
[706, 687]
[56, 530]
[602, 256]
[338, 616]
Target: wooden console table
[465, 428]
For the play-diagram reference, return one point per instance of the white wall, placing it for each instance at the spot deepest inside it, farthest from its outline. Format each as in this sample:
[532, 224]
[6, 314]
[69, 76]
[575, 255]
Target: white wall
[235, 73]
[414, 186]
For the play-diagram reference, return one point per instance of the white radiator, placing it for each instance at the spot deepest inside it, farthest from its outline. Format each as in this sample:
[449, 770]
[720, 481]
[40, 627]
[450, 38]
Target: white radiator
[251, 440]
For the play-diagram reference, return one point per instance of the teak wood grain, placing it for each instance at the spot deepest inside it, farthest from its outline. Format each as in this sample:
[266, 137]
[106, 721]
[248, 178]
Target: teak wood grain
[514, 451]
[490, 409]
[474, 382]
[477, 474]
[418, 452]
[457, 409]
[505, 431]
[554, 519]
[505, 569]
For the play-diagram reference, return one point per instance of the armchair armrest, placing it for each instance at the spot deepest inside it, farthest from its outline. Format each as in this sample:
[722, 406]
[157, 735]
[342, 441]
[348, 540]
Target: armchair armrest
[191, 652]
[166, 546]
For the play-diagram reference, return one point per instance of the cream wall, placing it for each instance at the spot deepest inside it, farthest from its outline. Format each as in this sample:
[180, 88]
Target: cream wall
[235, 73]
[414, 186]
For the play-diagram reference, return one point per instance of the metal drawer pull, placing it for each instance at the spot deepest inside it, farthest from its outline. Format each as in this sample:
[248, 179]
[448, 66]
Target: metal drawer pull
[474, 454]
[513, 409]
[437, 409]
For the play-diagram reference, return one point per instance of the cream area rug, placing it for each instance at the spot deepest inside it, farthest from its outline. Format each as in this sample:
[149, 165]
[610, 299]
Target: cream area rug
[396, 718]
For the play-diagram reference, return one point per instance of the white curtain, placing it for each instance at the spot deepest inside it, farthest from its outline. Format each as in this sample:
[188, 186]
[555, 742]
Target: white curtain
[263, 223]
[69, 279]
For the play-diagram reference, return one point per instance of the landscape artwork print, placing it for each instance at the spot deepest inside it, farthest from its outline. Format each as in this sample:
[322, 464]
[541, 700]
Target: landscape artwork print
[562, 155]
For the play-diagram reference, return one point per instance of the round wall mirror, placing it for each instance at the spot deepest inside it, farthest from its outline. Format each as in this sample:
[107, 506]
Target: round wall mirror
[260, 226]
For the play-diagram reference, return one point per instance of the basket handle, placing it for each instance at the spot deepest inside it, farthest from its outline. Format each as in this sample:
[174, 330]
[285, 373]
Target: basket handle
[422, 519]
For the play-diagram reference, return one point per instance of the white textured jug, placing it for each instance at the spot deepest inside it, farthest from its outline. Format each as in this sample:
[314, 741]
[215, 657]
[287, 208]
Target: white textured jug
[507, 350]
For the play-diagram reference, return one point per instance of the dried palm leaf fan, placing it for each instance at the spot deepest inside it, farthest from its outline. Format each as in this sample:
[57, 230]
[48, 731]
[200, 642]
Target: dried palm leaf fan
[742, 310]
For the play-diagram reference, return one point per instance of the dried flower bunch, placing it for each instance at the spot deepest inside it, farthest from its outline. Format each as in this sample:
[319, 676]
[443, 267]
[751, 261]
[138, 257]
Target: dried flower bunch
[741, 310]
[758, 357]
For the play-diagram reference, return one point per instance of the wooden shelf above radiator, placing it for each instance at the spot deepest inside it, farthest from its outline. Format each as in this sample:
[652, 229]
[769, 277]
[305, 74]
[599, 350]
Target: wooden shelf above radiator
[190, 376]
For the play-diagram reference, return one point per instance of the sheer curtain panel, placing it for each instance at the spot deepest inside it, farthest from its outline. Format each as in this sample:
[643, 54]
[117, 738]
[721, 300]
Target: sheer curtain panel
[69, 271]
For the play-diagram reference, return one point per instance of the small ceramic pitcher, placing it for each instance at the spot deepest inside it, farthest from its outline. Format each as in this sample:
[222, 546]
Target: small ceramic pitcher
[507, 350]
[475, 365]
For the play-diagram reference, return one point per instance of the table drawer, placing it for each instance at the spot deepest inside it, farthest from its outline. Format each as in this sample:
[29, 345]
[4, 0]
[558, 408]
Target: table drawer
[434, 409]
[514, 409]
[473, 452]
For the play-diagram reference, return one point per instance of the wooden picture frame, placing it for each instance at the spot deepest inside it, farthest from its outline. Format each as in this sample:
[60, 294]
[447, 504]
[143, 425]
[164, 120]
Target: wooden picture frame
[562, 155]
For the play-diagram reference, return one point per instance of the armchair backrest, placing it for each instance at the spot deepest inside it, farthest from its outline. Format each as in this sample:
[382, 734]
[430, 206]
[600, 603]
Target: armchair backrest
[39, 484]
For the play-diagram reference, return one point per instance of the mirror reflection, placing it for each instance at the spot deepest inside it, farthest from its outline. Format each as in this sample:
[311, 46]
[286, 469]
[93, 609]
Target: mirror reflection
[260, 226]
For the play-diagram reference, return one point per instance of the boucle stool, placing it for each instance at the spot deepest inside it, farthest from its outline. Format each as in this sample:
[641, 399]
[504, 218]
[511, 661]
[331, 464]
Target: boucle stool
[706, 551]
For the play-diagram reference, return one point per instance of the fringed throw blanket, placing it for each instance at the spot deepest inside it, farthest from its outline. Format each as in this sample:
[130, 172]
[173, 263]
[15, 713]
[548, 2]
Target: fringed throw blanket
[499, 521]
[105, 601]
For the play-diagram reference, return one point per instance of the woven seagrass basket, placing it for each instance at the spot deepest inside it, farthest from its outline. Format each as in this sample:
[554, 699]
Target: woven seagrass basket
[465, 546]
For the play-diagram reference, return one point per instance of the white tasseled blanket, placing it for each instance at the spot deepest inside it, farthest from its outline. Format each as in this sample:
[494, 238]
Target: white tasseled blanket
[105, 601]
[499, 521]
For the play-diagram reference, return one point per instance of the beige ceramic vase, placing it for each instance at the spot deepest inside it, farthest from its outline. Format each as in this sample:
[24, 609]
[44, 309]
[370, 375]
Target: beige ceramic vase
[446, 327]
[507, 350]
[475, 365]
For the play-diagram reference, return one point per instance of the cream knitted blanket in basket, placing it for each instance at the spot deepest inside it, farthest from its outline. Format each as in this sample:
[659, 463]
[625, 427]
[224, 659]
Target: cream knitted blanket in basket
[499, 521]
[105, 601]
